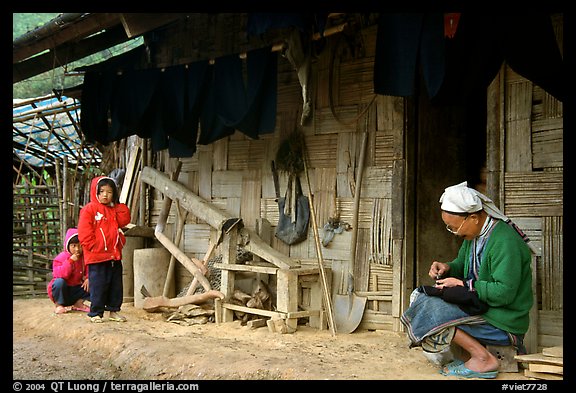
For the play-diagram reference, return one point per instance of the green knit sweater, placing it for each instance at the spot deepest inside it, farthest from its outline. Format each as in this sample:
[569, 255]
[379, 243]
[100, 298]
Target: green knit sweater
[504, 278]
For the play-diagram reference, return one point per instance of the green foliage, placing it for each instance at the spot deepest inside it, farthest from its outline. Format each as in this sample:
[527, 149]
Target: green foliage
[56, 79]
[23, 23]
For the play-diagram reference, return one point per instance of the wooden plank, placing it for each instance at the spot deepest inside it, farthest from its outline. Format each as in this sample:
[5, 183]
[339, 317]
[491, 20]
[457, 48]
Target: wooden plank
[129, 175]
[246, 268]
[557, 351]
[546, 368]
[540, 359]
[536, 375]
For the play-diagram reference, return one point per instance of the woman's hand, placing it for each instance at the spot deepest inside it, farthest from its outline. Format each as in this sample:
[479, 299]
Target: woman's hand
[438, 269]
[449, 282]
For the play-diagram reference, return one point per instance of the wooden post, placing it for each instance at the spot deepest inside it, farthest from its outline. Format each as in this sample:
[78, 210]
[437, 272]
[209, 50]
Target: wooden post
[229, 253]
[287, 295]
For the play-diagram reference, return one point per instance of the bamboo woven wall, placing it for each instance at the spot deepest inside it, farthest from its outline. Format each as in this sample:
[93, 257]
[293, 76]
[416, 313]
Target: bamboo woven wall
[235, 173]
[533, 190]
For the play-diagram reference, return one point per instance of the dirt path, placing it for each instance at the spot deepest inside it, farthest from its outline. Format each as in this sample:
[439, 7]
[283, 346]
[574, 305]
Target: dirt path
[46, 346]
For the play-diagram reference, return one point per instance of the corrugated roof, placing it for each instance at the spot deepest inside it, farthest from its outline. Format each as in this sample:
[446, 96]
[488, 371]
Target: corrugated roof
[46, 128]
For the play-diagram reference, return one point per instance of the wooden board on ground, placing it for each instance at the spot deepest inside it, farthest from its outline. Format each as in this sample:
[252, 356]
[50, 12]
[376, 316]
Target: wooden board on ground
[557, 352]
[540, 358]
[533, 374]
[546, 368]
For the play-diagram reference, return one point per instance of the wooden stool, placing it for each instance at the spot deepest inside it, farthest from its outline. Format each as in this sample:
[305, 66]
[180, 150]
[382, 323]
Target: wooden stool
[505, 353]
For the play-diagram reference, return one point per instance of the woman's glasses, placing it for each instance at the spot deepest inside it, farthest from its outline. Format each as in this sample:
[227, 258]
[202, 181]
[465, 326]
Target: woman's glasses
[458, 230]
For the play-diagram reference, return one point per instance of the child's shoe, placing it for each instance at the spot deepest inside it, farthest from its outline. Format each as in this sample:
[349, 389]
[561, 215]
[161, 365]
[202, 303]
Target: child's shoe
[116, 317]
[96, 319]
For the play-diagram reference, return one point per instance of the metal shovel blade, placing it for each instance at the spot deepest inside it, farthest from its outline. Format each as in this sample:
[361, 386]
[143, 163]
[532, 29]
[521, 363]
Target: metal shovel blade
[348, 312]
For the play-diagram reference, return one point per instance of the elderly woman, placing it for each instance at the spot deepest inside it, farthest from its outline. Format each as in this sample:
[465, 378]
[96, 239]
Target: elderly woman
[482, 297]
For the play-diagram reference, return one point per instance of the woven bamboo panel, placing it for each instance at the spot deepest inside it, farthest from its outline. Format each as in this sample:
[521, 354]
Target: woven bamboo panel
[226, 184]
[518, 114]
[238, 154]
[356, 84]
[380, 278]
[337, 249]
[383, 150]
[377, 182]
[545, 106]
[552, 263]
[532, 227]
[381, 232]
[347, 153]
[189, 164]
[250, 201]
[195, 238]
[533, 193]
[345, 207]
[547, 143]
[269, 210]
[321, 151]
[390, 112]
[219, 154]
[229, 205]
[289, 89]
[324, 194]
[550, 328]
[326, 123]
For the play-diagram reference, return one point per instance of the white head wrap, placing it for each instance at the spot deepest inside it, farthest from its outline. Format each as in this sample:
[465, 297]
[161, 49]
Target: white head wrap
[462, 199]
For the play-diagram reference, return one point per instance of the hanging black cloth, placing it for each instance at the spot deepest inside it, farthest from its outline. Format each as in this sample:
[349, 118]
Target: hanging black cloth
[97, 90]
[526, 42]
[182, 139]
[231, 104]
[404, 41]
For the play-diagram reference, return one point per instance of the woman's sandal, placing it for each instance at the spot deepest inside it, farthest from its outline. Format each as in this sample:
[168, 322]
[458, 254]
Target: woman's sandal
[83, 308]
[61, 310]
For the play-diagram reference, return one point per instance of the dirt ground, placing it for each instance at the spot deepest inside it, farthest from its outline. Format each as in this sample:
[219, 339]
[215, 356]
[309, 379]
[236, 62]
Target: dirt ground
[147, 347]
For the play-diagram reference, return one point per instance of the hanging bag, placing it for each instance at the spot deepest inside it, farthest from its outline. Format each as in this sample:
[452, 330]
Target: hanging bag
[293, 211]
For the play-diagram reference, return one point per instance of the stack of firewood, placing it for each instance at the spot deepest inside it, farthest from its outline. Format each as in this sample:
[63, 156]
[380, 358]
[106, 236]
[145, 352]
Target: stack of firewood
[549, 364]
[260, 298]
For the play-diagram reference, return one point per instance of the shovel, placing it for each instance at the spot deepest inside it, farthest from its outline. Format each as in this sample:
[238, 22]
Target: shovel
[349, 308]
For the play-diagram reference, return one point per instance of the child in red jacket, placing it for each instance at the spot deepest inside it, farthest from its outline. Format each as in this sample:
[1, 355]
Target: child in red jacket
[99, 231]
[69, 285]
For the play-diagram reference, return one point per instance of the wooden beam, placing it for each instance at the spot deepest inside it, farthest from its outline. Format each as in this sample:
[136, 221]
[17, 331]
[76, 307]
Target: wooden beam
[136, 24]
[67, 54]
[213, 216]
[59, 31]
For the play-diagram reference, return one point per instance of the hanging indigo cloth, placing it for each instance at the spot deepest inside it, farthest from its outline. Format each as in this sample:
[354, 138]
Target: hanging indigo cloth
[133, 94]
[183, 138]
[233, 104]
[97, 90]
[402, 42]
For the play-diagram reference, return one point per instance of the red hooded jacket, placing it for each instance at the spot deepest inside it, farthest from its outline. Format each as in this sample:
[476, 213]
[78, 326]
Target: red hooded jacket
[63, 267]
[99, 227]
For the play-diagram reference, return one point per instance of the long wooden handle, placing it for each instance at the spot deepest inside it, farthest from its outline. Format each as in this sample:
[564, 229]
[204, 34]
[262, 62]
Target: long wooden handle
[327, 299]
[359, 175]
